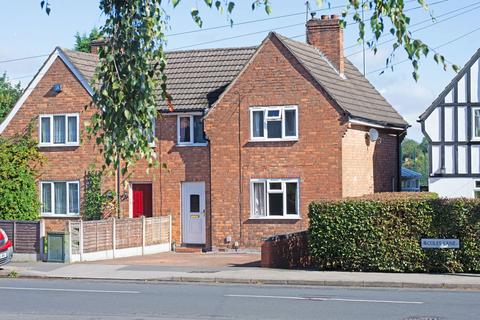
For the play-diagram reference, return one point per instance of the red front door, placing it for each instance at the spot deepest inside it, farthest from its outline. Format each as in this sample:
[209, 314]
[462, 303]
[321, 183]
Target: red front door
[142, 200]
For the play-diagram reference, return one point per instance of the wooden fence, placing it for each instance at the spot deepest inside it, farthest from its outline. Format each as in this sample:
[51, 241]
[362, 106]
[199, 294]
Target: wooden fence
[25, 235]
[115, 238]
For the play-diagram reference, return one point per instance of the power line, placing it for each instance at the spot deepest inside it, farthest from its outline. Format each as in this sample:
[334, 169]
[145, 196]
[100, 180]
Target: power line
[24, 58]
[267, 30]
[406, 10]
[252, 21]
[425, 27]
[433, 49]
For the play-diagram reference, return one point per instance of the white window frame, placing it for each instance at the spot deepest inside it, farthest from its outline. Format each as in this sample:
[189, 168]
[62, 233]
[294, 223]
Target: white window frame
[474, 137]
[52, 198]
[267, 205]
[281, 118]
[51, 143]
[192, 131]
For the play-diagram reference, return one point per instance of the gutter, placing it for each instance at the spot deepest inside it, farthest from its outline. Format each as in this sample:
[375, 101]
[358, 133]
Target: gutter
[375, 125]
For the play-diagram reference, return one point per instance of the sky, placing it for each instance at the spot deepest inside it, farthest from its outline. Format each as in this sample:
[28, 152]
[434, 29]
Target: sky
[27, 31]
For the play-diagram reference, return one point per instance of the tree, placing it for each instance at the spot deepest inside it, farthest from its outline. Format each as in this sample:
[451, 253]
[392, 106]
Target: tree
[9, 95]
[19, 162]
[415, 157]
[82, 41]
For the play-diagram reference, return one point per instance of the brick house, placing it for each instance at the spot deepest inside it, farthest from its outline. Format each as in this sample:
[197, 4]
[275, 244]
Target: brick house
[257, 133]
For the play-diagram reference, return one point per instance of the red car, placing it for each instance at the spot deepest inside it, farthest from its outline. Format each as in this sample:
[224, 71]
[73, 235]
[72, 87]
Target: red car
[6, 249]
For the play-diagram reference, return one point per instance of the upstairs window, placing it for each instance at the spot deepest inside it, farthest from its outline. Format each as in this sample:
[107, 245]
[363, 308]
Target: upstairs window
[190, 130]
[59, 130]
[275, 198]
[274, 123]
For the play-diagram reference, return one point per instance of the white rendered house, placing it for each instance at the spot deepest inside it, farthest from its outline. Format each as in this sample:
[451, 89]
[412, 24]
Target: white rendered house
[452, 127]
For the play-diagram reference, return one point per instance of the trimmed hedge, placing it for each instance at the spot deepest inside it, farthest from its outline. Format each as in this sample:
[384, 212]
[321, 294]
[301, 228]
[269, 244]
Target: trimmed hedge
[373, 235]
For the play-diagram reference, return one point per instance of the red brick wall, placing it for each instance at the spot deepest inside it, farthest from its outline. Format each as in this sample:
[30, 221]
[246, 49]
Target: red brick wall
[272, 78]
[367, 166]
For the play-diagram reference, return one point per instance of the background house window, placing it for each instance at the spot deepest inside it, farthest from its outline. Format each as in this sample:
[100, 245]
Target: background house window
[476, 189]
[274, 123]
[190, 130]
[60, 197]
[274, 198]
[59, 130]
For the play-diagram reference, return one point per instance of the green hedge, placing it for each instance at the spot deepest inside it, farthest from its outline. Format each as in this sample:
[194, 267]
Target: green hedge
[373, 235]
[19, 164]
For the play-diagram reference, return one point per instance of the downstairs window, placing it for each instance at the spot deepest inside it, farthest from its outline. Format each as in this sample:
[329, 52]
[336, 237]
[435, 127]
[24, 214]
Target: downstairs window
[275, 198]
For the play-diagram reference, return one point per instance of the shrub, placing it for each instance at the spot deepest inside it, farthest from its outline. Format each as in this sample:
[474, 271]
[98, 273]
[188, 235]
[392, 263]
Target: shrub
[95, 202]
[373, 235]
[19, 161]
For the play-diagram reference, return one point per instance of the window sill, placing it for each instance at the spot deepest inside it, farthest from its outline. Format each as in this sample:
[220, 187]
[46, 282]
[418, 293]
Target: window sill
[293, 217]
[51, 215]
[273, 140]
[58, 145]
[192, 144]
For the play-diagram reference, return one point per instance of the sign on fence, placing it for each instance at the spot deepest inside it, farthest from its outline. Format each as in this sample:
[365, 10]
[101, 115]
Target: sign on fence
[116, 238]
[440, 243]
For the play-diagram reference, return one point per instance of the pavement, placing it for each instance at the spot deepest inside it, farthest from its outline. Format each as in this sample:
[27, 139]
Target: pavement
[58, 299]
[233, 268]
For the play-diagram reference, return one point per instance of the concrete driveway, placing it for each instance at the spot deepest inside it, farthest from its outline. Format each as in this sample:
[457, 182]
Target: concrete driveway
[198, 260]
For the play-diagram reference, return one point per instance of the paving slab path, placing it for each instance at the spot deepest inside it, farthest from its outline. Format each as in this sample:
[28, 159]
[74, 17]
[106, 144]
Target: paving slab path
[232, 268]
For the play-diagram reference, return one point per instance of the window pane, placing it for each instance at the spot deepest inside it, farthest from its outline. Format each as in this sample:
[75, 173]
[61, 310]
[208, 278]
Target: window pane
[45, 129]
[290, 123]
[274, 129]
[59, 129]
[273, 113]
[184, 129]
[151, 134]
[199, 136]
[477, 194]
[257, 123]
[275, 202]
[194, 203]
[60, 197]
[72, 129]
[259, 199]
[73, 198]
[477, 184]
[46, 197]
[275, 186]
[477, 123]
[291, 198]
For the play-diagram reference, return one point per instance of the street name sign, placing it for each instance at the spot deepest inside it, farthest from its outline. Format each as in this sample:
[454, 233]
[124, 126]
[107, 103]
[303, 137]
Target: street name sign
[440, 243]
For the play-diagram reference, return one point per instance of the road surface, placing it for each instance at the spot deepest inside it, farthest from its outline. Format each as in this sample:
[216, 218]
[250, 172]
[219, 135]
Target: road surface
[71, 299]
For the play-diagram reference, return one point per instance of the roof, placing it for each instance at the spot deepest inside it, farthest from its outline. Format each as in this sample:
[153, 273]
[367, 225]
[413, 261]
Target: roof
[450, 86]
[410, 174]
[196, 78]
[353, 92]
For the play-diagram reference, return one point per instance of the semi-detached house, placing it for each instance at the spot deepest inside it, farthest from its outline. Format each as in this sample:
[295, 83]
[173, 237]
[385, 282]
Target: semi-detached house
[256, 134]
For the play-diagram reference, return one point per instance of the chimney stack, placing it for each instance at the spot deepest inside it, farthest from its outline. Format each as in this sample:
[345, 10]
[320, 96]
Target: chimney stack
[327, 36]
[96, 44]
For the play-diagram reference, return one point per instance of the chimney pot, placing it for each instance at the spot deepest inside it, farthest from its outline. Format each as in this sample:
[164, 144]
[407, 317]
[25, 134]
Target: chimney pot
[334, 17]
[324, 17]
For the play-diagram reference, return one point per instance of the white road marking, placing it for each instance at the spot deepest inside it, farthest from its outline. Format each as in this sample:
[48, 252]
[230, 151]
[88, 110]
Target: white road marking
[322, 299]
[67, 290]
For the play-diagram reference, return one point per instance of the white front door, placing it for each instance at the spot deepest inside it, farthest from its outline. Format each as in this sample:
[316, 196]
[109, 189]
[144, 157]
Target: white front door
[193, 212]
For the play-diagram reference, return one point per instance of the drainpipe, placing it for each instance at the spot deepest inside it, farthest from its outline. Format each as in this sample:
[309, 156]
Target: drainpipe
[400, 137]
